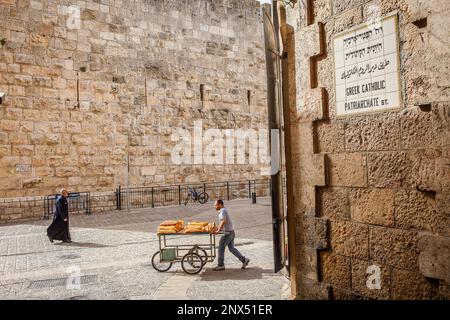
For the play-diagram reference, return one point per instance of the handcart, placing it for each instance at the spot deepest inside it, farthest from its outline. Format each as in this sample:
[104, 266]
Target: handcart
[192, 256]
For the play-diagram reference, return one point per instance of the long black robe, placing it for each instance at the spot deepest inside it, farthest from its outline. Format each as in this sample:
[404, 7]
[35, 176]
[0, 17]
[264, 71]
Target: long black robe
[59, 229]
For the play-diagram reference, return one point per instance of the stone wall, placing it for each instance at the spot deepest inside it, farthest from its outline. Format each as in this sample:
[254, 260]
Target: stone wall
[83, 94]
[374, 189]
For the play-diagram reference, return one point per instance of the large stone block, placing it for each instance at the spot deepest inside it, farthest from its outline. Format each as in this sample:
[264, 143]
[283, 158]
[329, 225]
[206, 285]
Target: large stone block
[441, 123]
[18, 138]
[394, 247]
[333, 202]
[345, 20]
[9, 125]
[427, 170]
[347, 170]
[340, 6]
[44, 171]
[5, 150]
[372, 206]
[434, 257]
[66, 171]
[307, 262]
[330, 137]
[419, 169]
[336, 270]
[22, 150]
[8, 2]
[81, 139]
[380, 132]
[15, 160]
[311, 290]
[148, 171]
[73, 127]
[313, 232]
[312, 170]
[13, 114]
[3, 138]
[407, 285]
[349, 239]
[387, 169]
[417, 129]
[31, 182]
[312, 35]
[417, 210]
[444, 290]
[313, 105]
[10, 183]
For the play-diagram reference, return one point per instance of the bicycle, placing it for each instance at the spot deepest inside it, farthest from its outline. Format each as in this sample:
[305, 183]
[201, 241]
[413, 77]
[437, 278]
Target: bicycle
[201, 197]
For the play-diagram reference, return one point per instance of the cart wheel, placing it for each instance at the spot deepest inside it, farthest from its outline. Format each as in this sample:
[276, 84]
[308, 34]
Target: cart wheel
[159, 265]
[192, 263]
[203, 197]
[203, 254]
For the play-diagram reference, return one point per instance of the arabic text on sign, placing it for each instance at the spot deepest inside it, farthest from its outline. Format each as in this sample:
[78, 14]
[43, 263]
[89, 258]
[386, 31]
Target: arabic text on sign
[369, 68]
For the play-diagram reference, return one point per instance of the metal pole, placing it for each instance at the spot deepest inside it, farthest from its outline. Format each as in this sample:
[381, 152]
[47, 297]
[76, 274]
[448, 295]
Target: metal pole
[153, 203]
[179, 195]
[120, 197]
[228, 191]
[272, 45]
[128, 182]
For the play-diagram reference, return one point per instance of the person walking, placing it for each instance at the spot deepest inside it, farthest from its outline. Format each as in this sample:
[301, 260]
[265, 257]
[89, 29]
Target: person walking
[227, 239]
[59, 228]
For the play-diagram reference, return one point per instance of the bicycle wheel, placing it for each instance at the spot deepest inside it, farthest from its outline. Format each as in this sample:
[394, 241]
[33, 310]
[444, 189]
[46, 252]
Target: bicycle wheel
[158, 265]
[187, 199]
[192, 263]
[202, 253]
[203, 197]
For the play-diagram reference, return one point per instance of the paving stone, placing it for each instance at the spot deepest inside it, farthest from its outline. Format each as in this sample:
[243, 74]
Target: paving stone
[116, 255]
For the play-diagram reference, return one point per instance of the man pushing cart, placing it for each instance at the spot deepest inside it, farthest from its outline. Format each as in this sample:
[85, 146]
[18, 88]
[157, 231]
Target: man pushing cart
[172, 247]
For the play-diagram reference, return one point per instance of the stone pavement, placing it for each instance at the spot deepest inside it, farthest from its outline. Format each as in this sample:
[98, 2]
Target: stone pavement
[112, 254]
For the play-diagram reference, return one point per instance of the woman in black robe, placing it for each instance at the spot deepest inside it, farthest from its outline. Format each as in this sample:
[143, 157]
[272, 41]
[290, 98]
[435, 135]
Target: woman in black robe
[59, 229]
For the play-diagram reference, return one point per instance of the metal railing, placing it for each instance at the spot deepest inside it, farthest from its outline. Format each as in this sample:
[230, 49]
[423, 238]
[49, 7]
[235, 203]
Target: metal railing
[79, 202]
[166, 195]
[172, 195]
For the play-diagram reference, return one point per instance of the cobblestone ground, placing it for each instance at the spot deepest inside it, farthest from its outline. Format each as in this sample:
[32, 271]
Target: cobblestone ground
[113, 251]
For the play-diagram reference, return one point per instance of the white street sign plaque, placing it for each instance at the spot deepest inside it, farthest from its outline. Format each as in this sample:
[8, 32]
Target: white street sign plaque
[366, 61]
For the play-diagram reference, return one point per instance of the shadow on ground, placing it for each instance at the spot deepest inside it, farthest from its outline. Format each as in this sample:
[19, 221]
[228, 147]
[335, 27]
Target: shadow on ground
[83, 244]
[235, 273]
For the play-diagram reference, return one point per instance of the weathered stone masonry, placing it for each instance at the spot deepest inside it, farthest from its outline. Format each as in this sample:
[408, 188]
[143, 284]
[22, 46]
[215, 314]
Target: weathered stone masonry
[81, 99]
[373, 189]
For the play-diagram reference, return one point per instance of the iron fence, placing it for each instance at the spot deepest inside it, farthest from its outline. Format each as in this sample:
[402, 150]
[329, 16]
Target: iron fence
[79, 202]
[168, 195]
[171, 195]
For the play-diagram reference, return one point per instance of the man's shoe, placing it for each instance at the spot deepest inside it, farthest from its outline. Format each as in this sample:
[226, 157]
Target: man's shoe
[245, 263]
[67, 241]
[51, 240]
[219, 268]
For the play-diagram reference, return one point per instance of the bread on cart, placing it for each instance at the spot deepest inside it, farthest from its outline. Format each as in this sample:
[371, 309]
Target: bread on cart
[170, 226]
